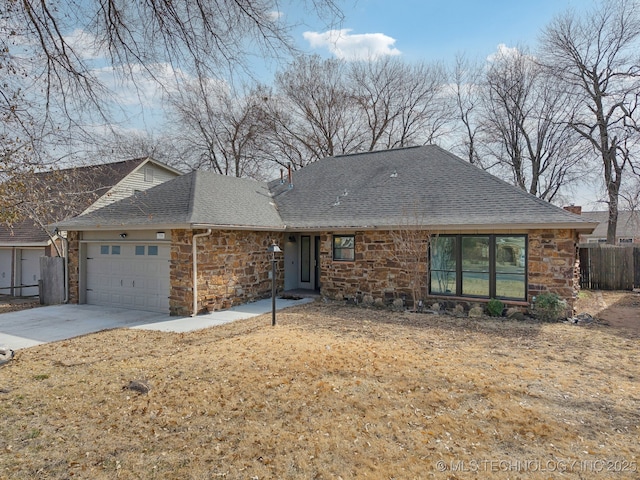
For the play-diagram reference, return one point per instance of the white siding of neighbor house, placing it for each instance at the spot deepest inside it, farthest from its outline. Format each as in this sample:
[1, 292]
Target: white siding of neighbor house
[133, 182]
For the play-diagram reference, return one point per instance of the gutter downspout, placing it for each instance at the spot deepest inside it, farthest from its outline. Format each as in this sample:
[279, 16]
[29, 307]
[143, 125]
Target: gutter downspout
[194, 256]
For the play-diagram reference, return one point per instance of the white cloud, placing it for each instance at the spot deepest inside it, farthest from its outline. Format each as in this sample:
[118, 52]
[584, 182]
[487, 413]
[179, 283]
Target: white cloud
[346, 46]
[502, 51]
[275, 15]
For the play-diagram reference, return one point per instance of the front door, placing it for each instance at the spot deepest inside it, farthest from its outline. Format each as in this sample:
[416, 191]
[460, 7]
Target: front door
[316, 261]
[310, 262]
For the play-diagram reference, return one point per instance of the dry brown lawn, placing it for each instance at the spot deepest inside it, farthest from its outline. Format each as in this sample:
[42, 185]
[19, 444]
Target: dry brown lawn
[330, 392]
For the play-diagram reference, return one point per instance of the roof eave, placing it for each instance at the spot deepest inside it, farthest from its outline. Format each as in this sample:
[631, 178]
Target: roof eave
[579, 227]
[111, 227]
[256, 228]
[158, 164]
[25, 244]
[169, 226]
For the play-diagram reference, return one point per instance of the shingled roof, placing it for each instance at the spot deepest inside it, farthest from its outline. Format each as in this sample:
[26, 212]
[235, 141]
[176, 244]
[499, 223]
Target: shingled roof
[87, 183]
[199, 198]
[424, 186]
[628, 223]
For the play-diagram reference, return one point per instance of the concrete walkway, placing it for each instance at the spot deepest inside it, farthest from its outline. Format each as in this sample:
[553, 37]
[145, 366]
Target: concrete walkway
[36, 326]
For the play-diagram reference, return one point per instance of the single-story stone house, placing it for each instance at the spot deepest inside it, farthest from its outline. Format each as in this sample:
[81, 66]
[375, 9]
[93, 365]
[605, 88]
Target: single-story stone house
[412, 223]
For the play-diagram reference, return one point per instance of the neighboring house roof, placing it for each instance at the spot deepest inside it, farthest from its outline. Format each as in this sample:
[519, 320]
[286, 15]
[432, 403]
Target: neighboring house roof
[23, 233]
[628, 224]
[68, 193]
[199, 198]
[420, 186]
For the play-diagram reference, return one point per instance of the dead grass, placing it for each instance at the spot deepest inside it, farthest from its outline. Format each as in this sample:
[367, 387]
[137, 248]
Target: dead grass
[330, 392]
[13, 304]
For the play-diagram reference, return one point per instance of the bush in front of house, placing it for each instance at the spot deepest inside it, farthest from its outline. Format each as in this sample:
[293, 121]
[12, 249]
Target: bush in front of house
[495, 307]
[549, 307]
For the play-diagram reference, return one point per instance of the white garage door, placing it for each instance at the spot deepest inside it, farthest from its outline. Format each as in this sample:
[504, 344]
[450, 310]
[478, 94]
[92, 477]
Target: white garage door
[128, 275]
[6, 255]
[30, 271]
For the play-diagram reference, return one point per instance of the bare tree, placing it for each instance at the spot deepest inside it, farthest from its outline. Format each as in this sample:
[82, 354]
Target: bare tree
[321, 108]
[595, 58]
[199, 37]
[311, 113]
[41, 198]
[467, 81]
[219, 129]
[525, 125]
[55, 54]
[118, 146]
[401, 104]
[410, 249]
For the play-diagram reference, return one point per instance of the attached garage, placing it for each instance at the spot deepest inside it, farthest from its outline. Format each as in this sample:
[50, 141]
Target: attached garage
[128, 275]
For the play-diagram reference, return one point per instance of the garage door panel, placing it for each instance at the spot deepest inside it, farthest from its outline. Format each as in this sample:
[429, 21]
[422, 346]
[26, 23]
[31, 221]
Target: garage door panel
[6, 257]
[130, 279]
[30, 271]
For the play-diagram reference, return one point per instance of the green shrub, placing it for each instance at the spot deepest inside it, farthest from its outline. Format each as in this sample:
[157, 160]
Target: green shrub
[549, 307]
[495, 307]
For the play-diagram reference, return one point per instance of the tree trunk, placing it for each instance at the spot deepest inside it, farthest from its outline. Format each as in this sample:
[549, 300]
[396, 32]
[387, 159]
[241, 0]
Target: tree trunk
[613, 179]
[612, 190]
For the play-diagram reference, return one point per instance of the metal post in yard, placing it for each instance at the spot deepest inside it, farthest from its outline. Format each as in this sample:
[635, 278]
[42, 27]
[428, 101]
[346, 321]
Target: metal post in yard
[273, 249]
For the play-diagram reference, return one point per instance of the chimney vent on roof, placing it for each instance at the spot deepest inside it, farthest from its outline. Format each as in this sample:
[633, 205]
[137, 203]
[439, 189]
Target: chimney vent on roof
[290, 176]
[281, 176]
[394, 174]
[577, 209]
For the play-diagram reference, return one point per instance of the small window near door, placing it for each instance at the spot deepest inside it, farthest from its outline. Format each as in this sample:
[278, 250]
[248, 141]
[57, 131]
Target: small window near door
[139, 249]
[152, 250]
[104, 249]
[115, 250]
[305, 258]
[344, 248]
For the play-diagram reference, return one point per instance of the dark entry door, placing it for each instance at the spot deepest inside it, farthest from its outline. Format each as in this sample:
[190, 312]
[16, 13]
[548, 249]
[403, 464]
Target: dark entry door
[316, 262]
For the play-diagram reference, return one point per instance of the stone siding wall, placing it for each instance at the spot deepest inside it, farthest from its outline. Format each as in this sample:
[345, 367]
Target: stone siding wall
[384, 270]
[387, 266]
[233, 268]
[553, 264]
[74, 261]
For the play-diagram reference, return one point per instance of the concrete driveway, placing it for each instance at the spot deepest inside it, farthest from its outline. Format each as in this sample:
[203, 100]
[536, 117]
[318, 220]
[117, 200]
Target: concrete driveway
[36, 326]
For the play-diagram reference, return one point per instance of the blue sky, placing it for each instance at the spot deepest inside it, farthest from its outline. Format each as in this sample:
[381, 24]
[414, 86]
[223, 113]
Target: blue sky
[437, 30]
[414, 30]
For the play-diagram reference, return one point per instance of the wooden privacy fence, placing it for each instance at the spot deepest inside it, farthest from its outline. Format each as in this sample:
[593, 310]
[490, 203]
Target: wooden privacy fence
[609, 267]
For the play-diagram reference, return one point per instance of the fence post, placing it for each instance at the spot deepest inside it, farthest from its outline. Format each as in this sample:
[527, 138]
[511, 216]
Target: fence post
[52, 280]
